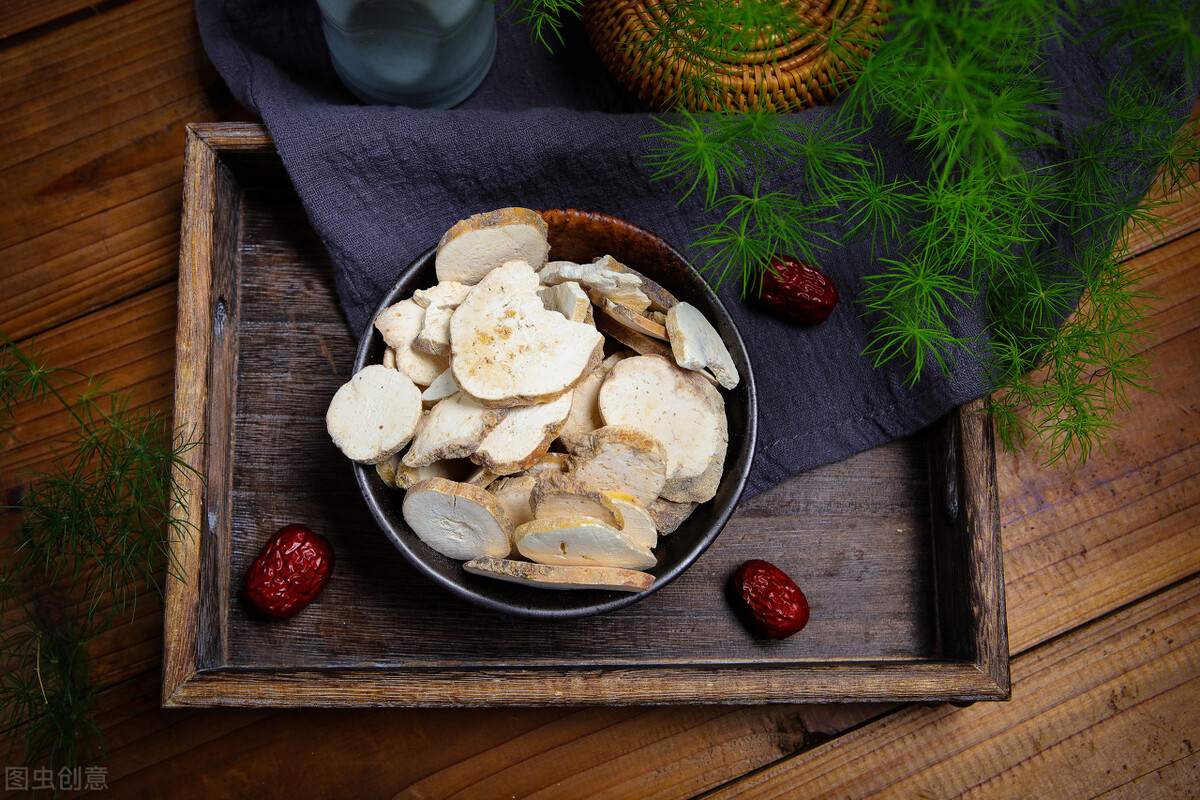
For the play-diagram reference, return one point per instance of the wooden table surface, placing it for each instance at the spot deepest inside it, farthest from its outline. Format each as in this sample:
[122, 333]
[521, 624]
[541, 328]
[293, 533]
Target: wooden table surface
[1102, 563]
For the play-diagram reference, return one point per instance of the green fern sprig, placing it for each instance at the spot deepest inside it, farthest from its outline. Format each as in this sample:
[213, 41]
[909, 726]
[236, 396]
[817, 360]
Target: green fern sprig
[875, 204]
[756, 225]
[914, 300]
[693, 152]
[93, 535]
[46, 692]
[544, 18]
[830, 154]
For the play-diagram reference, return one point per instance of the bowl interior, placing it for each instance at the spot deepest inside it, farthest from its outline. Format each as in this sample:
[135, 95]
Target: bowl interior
[583, 236]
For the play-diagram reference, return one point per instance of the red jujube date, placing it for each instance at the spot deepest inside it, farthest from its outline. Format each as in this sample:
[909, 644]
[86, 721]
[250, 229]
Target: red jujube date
[289, 572]
[797, 291]
[770, 601]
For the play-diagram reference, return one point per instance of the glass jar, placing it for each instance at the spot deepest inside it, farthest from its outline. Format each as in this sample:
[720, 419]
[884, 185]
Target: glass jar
[421, 53]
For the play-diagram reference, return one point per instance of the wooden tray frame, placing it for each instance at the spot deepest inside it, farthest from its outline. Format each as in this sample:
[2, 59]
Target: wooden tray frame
[968, 579]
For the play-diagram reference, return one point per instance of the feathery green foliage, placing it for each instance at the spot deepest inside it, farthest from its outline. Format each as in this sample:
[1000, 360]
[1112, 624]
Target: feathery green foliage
[93, 534]
[544, 18]
[1007, 173]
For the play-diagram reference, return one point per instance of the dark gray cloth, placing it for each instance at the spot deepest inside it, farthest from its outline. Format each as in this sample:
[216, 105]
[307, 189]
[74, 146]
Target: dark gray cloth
[381, 184]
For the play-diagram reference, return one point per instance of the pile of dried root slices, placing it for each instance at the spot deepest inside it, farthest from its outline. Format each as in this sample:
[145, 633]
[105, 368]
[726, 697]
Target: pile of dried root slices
[547, 420]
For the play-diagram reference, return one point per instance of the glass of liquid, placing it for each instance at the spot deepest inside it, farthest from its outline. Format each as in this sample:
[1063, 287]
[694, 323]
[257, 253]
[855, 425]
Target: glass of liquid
[420, 53]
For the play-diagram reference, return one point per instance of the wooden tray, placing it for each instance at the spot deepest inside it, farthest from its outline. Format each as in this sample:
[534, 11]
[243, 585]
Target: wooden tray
[898, 549]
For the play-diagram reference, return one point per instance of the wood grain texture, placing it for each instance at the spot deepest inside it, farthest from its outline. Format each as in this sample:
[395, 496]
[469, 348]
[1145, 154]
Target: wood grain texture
[548, 752]
[193, 360]
[19, 16]
[92, 158]
[968, 567]
[1134, 506]
[1077, 704]
[133, 345]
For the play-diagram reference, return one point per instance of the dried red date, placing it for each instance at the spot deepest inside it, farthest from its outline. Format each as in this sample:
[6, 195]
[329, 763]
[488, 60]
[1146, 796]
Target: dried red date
[289, 572]
[771, 601]
[797, 291]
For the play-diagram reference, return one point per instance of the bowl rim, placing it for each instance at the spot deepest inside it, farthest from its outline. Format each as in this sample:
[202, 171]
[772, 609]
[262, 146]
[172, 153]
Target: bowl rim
[739, 471]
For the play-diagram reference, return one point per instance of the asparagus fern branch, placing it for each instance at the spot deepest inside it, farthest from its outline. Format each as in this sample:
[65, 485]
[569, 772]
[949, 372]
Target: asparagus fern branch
[92, 535]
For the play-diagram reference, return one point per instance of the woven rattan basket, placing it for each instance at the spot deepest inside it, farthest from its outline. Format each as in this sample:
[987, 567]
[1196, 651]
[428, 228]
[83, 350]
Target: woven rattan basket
[783, 71]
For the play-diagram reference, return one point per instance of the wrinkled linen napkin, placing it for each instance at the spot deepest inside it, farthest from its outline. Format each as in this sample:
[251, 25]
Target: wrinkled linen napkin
[380, 185]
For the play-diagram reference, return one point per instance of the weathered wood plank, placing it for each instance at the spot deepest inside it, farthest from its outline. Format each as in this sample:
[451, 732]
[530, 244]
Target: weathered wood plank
[684, 752]
[133, 345]
[135, 59]
[435, 753]
[1177, 778]
[93, 156]
[210, 214]
[1066, 529]
[968, 575]
[19, 16]
[1104, 706]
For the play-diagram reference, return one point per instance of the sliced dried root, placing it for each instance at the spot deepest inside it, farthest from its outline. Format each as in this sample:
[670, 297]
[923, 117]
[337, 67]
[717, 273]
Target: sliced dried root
[477, 245]
[443, 386]
[514, 496]
[373, 415]
[603, 278]
[451, 429]
[634, 321]
[679, 409]
[557, 496]
[442, 293]
[512, 358]
[481, 477]
[638, 342]
[545, 576]
[386, 469]
[550, 462]
[400, 324]
[523, 436]
[580, 541]
[695, 344]
[568, 299]
[585, 413]
[621, 458]
[660, 299]
[669, 515]
[439, 303]
[633, 520]
[457, 519]
[508, 350]
[457, 469]
[566, 496]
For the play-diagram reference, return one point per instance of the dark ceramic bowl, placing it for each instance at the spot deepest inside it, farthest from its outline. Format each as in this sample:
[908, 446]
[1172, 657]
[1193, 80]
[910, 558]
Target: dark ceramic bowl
[582, 236]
